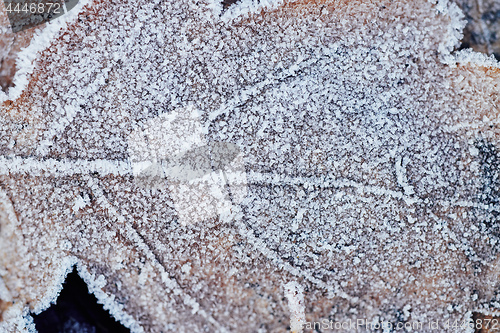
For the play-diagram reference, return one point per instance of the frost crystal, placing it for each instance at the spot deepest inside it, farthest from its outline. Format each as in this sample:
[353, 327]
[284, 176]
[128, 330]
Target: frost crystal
[295, 295]
[190, 157]
[172, 148]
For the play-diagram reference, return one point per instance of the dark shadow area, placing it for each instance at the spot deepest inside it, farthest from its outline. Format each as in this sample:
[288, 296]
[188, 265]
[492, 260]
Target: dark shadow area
[76, 311]
[227, 3]
[482, 32]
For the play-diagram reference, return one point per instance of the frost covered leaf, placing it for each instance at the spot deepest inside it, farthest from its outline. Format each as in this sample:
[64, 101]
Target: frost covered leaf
[350, 154]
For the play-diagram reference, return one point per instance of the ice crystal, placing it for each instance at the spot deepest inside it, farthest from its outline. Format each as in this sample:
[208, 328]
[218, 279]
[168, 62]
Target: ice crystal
[206, 164]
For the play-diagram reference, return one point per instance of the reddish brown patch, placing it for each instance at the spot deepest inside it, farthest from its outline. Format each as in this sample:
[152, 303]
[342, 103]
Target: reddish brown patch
[3, 306]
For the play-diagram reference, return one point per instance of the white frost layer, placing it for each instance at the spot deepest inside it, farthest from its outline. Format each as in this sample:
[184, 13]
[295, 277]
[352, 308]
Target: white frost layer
[198, 192]
[455, 28]
[17, 320]
[133, 236]
[294, 292]
[469, 56]
[95, 285]
[42, 39]
[56, 286]
[9, 165]
[329, 91]
[245, 7]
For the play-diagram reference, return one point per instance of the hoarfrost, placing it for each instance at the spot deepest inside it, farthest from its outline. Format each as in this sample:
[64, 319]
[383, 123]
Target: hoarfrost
[363, 164]
[295, 295]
